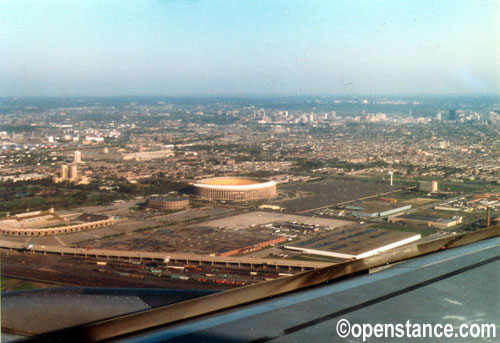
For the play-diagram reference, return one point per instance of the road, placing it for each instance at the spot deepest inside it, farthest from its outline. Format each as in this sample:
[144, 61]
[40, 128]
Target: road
[161, 256]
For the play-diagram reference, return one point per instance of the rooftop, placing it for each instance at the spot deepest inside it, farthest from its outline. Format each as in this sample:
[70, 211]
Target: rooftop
[229, 181]
[351, 241]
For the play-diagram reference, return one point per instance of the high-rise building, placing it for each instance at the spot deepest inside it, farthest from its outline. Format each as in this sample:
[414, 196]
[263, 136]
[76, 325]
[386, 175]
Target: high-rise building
[494, 118]
[73, 175]
[77, 157]
[70, 174]
[311, 117]
[453, 115]
[64, 172]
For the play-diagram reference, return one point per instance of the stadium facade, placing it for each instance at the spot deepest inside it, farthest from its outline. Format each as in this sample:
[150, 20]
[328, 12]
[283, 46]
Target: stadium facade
[235, 189]
[168, 203]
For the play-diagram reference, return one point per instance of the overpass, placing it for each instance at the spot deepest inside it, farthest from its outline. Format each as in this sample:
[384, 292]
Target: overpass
[175, 258]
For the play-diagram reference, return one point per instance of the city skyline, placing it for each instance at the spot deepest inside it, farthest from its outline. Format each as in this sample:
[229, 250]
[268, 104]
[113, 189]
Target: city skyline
[195, 48]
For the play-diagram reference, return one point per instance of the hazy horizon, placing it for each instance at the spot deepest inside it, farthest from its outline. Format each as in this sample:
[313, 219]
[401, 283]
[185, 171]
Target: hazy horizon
[189, 48]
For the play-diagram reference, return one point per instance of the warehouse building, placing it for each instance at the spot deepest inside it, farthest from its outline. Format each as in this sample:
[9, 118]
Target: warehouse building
[438, 223]
[353, 243]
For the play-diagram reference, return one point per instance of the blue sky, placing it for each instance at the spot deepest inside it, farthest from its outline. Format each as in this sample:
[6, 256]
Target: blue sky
[240, 47]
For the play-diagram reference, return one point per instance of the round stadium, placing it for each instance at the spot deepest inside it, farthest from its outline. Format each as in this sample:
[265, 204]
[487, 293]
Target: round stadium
[168, 202]
[235, 188]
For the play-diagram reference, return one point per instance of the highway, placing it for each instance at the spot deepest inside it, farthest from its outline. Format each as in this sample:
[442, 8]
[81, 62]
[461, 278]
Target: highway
[162, 256]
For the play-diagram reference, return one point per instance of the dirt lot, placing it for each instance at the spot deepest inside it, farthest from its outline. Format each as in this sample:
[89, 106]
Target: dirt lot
[245, 220]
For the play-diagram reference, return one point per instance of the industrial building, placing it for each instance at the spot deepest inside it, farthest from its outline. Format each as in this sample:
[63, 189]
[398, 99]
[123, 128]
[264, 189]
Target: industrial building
[428, 186]
[168, 202]
[353, 243]
[252, 248]
[372, 209]
[117, 155]
[235, 189]
[148, 155]
[438, 223]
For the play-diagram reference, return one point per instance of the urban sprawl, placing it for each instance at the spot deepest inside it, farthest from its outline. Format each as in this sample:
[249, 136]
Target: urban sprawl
[223, 192]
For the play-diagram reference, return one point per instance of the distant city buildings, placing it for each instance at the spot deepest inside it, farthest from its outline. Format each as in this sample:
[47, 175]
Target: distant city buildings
[187, 140]
[494, 118]
[70, 174]
[123, 155]
[372, 117]
[147, 155]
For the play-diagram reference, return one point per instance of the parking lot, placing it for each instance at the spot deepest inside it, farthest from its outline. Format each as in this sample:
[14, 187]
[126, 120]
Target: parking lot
[312, 195]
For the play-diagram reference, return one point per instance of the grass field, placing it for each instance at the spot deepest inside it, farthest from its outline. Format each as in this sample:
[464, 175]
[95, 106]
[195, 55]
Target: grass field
[468, 216]
[420, 201]
[11, 284]
[424, 231]
[466, 186]
[316, 258]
